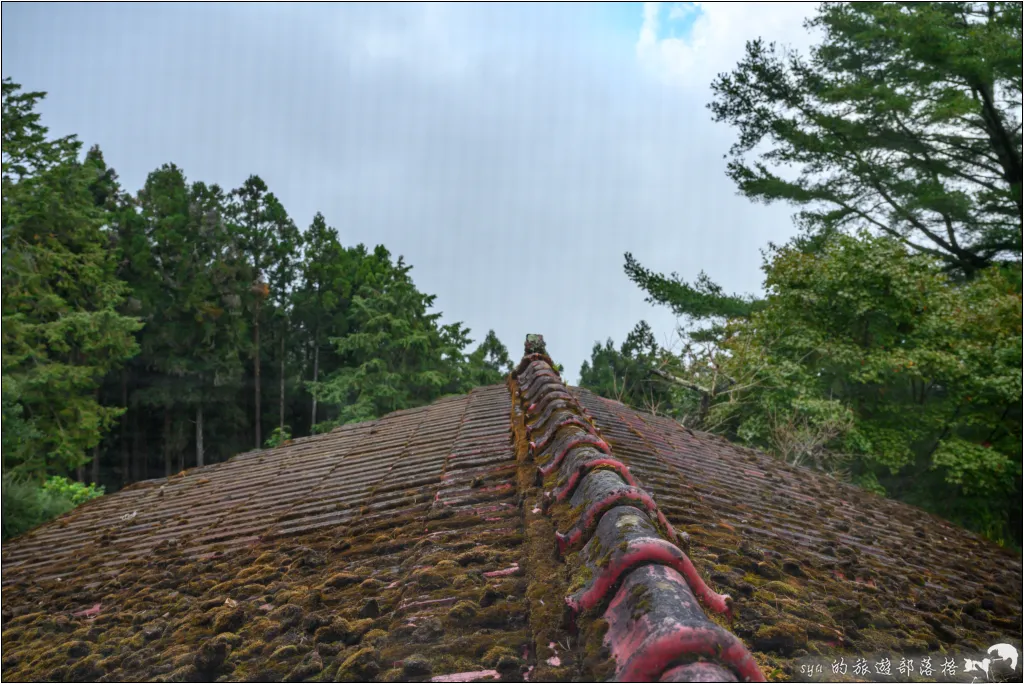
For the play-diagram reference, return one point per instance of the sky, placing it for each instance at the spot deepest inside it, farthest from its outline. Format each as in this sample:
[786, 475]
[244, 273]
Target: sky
[511, 153]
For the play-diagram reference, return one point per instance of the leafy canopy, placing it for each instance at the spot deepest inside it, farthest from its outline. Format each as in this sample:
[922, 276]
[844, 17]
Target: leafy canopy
[905, 120]
[870, 359]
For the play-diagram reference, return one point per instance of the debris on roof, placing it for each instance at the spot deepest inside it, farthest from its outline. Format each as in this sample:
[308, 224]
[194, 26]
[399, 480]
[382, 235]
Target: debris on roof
[529, 532]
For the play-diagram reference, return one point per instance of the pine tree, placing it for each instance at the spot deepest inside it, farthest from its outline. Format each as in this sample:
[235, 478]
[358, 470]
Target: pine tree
[639, 373]
[136, 267]
[489, 363]
[165, 207]
[219, 326]
[323, 296]
[283, 280]
[905, 120]
[267, 238]
[62, 332]
[396, 354]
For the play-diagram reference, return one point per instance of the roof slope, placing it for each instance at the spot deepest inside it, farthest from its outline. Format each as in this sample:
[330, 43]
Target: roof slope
[335, 556]
[814, 564]
[400, 549]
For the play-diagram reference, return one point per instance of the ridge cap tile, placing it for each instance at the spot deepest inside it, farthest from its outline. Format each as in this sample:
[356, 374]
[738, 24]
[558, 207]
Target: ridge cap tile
[620, 540]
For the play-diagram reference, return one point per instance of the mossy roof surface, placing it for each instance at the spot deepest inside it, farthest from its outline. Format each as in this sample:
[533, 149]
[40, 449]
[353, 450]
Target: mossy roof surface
[816, 566]
[394, 550]
[355, 555]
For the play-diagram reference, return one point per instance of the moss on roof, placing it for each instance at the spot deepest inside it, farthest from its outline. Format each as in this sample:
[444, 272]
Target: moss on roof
[409, 548]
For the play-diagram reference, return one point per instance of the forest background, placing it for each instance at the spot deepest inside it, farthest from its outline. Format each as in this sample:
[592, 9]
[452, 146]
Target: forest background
[172, 327]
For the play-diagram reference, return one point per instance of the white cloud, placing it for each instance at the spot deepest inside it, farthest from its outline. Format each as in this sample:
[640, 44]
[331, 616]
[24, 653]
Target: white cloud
[420, 38]
[509, 152]
[681, 10]
[715, 41]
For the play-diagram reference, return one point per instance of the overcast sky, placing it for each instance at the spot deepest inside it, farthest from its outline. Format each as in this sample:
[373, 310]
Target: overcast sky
[511, 153]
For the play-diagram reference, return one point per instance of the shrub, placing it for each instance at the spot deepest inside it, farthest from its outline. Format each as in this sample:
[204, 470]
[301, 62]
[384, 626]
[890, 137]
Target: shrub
[27, 504]
[278, 437]
[76, 492]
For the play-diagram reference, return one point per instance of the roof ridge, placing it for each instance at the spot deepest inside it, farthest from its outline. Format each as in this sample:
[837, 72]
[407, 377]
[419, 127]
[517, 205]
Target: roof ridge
[631, 569]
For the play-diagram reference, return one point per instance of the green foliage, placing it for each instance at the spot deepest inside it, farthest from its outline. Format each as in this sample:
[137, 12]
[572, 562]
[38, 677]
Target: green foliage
[172, 308]
[702, 299]
[62, 331]
[904, 120]
[270, 243]
[489, 363]
[867, 362]
[896, 369]
[75, 492]
[191, 281]
[869, 359]
[397, 355]
[628, 374]
[322, 302]
[267, 235]
[278, 436]
[325, 283]
[26, 504]
[18, 432]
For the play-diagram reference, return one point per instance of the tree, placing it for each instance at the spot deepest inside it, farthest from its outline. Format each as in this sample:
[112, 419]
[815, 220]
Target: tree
[219, 329]
[640, 373]
[62, 332]
[395, 354]
[132, 234]
[870, 359]
[282, 279]
[324, 293]
[193, 281]
[167, 344]
[489, 363]
[904, 120]
[269, 239]
[701, 300]
[108, 199]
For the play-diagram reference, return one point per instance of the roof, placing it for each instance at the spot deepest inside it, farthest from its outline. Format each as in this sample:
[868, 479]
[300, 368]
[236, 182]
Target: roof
[522, 531]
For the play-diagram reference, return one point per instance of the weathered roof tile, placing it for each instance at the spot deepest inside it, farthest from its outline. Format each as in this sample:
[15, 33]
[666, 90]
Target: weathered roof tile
[425, 545]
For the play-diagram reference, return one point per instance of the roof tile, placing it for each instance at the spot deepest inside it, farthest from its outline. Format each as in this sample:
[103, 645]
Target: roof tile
[425, 545]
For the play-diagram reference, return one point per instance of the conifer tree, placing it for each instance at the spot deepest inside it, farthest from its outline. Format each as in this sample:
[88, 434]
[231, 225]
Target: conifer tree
[62, 332]
[904, 120]
[489, 363]
[323, 295]
[396, 354]
[268, 239]
[219, 325]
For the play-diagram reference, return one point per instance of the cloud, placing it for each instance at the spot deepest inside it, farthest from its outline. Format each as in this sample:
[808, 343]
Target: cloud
[512, 153]
[680, 10]
[715, 39]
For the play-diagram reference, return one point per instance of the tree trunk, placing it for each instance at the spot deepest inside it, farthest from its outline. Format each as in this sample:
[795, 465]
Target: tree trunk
[168, 465]
[256, 377]
[126, 463]
[139, 455]
[96, 464]
[80, 473]
[1002, 142]
[94, 469]
[199, 436]
[281, 407]
[316, 373]
[181, 448]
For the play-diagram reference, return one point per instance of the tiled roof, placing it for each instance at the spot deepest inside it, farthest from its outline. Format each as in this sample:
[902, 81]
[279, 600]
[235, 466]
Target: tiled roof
[632, 585]
[419, 546]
